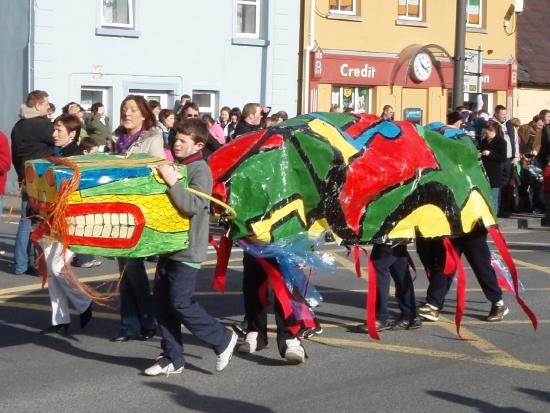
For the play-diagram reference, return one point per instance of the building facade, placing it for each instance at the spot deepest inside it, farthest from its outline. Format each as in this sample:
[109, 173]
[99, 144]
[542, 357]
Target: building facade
[533, 93]
[365, 54]
[220, 52]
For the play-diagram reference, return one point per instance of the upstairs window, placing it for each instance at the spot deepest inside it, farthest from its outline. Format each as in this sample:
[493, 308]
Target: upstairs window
[248, 19]
[342, 6]
[409, 10]
[473, 14]
[117, 14]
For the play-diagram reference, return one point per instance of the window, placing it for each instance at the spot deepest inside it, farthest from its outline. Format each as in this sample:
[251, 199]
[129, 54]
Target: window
[160, 96]
[473, 14]
[248, 19]
[342, 6]
[357, 98]
[206, 100]
[92, 94]
[117, 13]
[409, 10]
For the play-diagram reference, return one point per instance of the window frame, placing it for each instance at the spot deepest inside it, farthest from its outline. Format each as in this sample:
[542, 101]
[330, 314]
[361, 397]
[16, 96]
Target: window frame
[105, 91]
[352, 12]
[127, 26]
[212, 109]
[257, 33]
[355, 88]
[480, 24]
[420, 18]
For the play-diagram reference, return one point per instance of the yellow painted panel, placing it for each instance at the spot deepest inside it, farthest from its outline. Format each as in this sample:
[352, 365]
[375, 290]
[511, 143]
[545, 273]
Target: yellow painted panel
[476, 208]
[430, 220]
[331, 134]
[262, 228]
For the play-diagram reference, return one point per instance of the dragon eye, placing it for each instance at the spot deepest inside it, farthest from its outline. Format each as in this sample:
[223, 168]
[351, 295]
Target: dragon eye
[50, 178]
[29, 174]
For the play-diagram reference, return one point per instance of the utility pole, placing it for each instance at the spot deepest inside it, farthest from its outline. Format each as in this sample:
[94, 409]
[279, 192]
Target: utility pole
[460, 40]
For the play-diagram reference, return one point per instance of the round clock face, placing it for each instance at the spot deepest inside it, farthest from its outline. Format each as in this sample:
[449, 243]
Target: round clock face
[421, 67]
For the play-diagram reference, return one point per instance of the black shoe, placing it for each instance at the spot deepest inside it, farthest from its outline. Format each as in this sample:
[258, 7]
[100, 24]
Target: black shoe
[147, 334]
[240, 328]
[380, 326]
[30, 271]
[55, 329]
[86, 316]
[407, 324]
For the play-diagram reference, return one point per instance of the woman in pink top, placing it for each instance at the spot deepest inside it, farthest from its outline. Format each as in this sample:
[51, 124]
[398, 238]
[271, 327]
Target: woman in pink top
[214, 129]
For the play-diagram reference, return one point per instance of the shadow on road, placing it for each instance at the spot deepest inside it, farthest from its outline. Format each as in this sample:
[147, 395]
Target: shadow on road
[477, 404]
[191, 400]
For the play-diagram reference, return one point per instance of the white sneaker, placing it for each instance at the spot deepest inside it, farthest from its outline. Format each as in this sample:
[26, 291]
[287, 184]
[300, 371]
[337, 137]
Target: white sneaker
[224, 357]
[157, 370]
[251, 343]
[295, 353]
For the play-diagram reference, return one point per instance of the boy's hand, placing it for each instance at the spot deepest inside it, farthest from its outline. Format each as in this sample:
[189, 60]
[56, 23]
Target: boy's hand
[169, 173]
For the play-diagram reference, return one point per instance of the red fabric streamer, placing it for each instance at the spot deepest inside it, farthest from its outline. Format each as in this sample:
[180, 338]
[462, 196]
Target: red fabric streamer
[357, 258]
[278, 285]
[500, 243]
[223, 252]
[452, 260]
[36, 235]
[371, 300]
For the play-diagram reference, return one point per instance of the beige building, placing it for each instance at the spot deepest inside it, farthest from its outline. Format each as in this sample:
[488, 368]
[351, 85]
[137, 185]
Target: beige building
[533, 93]
[365, 54]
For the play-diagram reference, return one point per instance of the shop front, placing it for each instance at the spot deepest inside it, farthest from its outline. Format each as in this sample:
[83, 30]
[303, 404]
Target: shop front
[417, 85]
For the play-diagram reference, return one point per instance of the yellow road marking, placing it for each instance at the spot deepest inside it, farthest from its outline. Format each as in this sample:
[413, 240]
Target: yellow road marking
[532, 266]
[493, 361]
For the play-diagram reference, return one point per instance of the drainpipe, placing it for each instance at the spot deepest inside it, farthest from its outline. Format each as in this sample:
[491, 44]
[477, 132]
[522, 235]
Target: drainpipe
[309, 49]
[30, 49]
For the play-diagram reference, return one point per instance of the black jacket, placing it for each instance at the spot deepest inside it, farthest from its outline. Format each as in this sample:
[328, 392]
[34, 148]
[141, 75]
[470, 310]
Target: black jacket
[71, 149]
[543, 157]
[31, 138]
[244, 127]
[493, 162]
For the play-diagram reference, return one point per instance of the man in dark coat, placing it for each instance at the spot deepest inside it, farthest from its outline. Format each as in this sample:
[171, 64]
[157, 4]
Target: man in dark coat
[31, 138]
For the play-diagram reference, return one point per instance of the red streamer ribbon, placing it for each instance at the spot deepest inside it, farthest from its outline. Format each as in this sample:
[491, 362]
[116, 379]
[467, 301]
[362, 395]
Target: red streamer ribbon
[357, 258]
[371, 300]
[223, 252]
[452, 260]
[500, 243]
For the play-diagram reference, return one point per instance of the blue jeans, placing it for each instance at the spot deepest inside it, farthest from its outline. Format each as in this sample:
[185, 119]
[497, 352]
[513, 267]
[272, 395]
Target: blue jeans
[496, 199]
[393, 263]
[136, 302]
[175, 305]
[22, 239]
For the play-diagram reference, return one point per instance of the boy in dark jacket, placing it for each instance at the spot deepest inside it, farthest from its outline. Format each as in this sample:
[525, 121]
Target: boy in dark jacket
[176, 272]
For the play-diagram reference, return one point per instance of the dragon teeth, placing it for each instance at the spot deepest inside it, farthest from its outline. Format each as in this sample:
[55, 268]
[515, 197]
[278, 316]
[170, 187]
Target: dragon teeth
[106, 225]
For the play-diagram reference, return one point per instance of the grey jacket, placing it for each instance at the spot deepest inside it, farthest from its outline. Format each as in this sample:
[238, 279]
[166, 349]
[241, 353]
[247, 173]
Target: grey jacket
[197, 208]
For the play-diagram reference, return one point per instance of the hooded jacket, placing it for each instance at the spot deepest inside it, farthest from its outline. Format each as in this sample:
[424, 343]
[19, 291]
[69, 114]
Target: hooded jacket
[31, 138]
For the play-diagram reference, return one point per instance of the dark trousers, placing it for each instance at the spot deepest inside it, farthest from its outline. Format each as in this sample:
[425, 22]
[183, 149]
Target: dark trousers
[393, 262]
[475, 248]
[174, 305]
[254, 277]
[136, 302]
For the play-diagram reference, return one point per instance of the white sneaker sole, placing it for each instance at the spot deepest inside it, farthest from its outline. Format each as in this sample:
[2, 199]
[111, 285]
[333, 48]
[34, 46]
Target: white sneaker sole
[428, 317]
[294, 357]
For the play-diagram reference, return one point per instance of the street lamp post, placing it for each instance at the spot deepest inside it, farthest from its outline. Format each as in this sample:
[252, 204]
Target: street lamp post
[460, 40]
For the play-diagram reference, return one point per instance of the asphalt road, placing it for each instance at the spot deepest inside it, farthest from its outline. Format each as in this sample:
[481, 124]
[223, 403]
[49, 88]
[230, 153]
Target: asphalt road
[500, 367]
